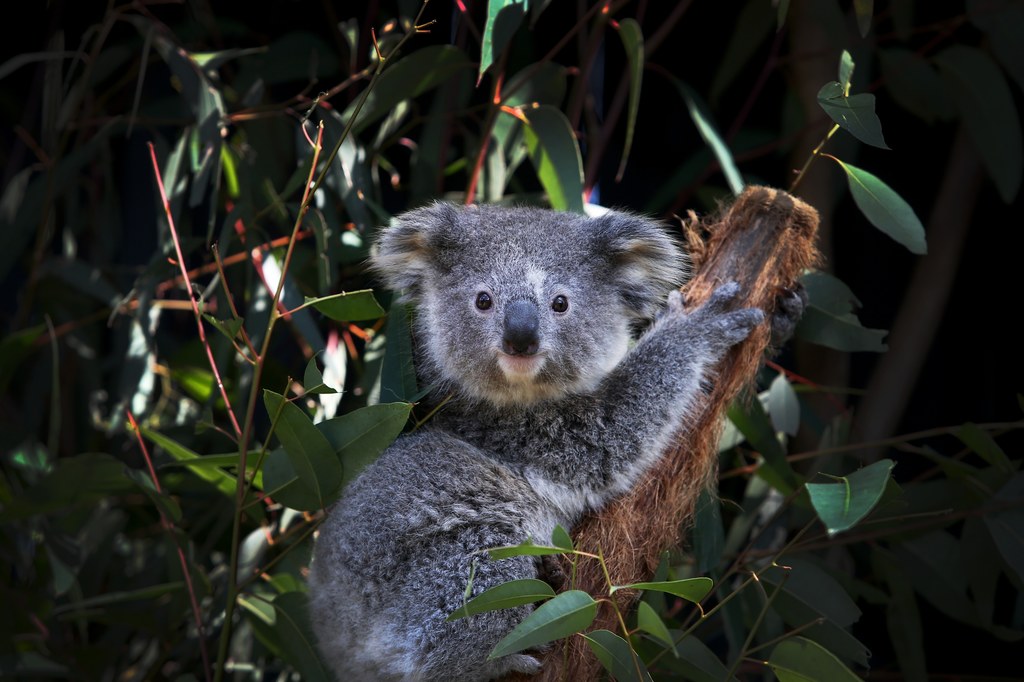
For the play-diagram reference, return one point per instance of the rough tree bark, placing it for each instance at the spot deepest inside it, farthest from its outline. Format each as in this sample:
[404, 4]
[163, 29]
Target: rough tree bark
[764, 241]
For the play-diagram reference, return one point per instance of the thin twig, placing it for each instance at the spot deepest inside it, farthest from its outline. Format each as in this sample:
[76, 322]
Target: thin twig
[191, 293]
[169, 527]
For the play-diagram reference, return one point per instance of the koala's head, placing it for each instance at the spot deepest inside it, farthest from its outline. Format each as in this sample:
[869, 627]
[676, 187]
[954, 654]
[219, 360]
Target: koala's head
[519, 305]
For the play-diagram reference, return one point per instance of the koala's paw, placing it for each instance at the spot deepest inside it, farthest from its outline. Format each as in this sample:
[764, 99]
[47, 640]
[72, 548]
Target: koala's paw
[524, 663]
[789, 308]
[549, 569]
[718, 325]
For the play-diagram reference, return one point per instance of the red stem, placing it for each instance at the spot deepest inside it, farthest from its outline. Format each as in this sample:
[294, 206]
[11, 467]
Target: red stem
[169, 527]
[191, 293]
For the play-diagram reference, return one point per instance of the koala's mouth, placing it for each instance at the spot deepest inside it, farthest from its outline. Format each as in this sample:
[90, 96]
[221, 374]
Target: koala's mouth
[519, 368]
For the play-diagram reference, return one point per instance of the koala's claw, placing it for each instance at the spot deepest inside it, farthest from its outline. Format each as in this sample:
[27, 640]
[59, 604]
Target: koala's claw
[722, 297]
[737, 325]
[789, 308]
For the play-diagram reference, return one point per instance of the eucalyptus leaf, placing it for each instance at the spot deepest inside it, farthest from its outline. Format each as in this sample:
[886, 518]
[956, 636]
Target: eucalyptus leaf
[313, 380]
[505, 596]
[989, 113]
[566, 614]
[690, 589]
[840, 506]
[361, 435]
[523, 549]
[783, 406]
[556, 157]
[616, 656]
[503, 18]
[289, 633]
[863, 9]
[649, 621]
[311, 456]
[885, 209]
[854, 113]
[348, 306]
[799, 659]
[914, 84]
[633, 42]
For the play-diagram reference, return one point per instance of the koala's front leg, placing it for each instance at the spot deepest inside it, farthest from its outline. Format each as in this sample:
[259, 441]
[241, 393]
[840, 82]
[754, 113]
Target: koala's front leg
[658, 387]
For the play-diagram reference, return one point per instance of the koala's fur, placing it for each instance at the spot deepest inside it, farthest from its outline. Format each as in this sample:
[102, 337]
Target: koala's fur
[535, 434]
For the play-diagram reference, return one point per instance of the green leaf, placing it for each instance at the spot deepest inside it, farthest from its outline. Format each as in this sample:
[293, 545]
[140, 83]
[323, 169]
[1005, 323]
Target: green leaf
[708, 535]
[505, 596]
[690, 589]
[783, 406]
[752, 26]
[556, 157]
[840, 506]
[989, 113]
[750, 418]
[560, 538]
[229, 328]
[527, 548]
[864, 9]
[982, 443]
[700, 663]
[79, 480]
[902, 617]
[309, 453]
[167, 506]
[14, 349]
[801, 660]
[503, 18]
[842, 332]
[1003, 24]
[633, 42]
[361, 435]
[568, 613]
[313, 379]
[282, 484]
[409, 77]
[616, 656]
[648, 620]
[148, 593]
[915, 84]
[222, 480]
[31, 665]
[702, 119]
[1006, 524]
[398, 373]
[348, 306]
[845, 70]
[855, 113]
[885, 209]
[286, 630]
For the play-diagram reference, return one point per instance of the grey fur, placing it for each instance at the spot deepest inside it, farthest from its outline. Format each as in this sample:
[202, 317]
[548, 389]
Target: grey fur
[525, 443]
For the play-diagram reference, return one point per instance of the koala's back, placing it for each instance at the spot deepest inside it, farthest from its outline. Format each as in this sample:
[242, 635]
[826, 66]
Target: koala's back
[395, 554]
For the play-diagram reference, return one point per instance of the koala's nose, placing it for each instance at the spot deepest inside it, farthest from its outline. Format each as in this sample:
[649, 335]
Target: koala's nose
[522, 325]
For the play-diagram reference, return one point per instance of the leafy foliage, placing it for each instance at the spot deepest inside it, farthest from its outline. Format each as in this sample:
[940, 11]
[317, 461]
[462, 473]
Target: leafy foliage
[193, 361]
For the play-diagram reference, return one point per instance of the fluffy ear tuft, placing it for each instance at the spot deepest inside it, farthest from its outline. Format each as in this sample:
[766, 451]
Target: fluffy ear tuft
[648, 263]
[404, 251]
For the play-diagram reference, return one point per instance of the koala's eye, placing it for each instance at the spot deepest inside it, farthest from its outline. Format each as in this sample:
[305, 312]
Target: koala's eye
[483, 301]
[559, 304]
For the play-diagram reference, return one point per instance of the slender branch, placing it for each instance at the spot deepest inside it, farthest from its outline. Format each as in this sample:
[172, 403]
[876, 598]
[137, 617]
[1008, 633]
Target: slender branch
[191, 293]
[250, 413]
[309, 192]
[814, 154]
[757, 624]
[169, 527]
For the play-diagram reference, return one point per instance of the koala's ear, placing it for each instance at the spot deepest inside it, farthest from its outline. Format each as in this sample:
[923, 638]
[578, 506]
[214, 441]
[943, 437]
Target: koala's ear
[405, 250]
[647, 262]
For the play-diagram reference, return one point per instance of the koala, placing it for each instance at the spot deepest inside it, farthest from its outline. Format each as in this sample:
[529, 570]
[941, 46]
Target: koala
[524, 324]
